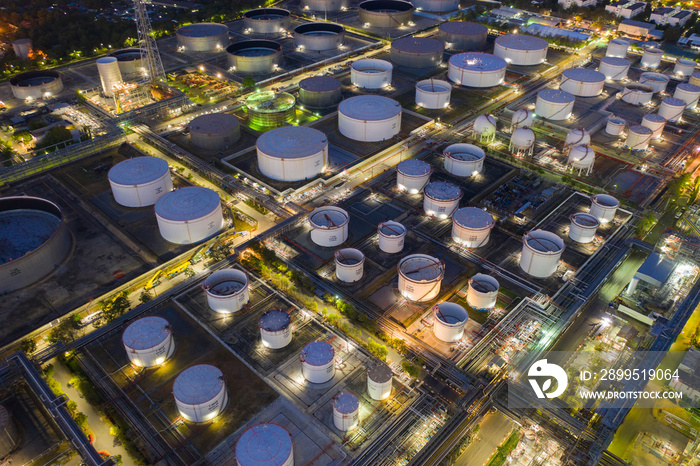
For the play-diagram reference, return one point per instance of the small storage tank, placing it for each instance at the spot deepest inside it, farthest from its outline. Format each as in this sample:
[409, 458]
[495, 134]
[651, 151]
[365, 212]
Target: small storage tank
[615, 126]
[318, 361]
[275, 329]
[657, 81]
[254, 56]
[688, 93]
[651, 58]
[329, 226]
[226, 290]
[577, 136]
[200, 393]
[371, 73]
[472, 227]
[417, 52]
[694, 78]
[617, 48]
[476, 69]
[412, 175]
[320, 92]
[583, 227]
[189, 215]
[203, 37]
[684, 67]
[672, 109]
[518, 49]
[437, 6]
[10, 435]
[267, 21]
[638, 138]
[433, 93]
[614, 68]
[604, 207]
[554, 104]
[521, 117]
[482, 294]
[148, 341]
[214, 131]
[448, 321]
[379, 378]
[270, 109]
[110, 75]
[541, 253]
[292, 153]
[581, 158]
[522, 141]
[22, 49]
[391, 236]
[140, 182]
[655, 123]
[369, 118]
[441, 199]
[346, 411]
[637, 94]
[485, 127]
[385, 13]
[420, 277]
[265, 444]
[463, 35]
[464, 159]
[349, 265]
[319, 36]
[582, 82]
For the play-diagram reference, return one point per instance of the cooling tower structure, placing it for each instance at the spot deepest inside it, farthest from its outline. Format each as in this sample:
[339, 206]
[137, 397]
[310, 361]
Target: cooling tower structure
[581, 158]
[203, 37]
[433, 93]
[614, 68]
[140, 182]
[200, 393]
[189, 215]
[684, 67]
[441, 199]
[615, 126]
[265, 444]
[267, 21]
[412, 175]
[688, 93]
[651, 58]
[485, 128]
[385, 13]
[554, 104]
[672, 109]
[318, 362]
[604, 207]
[417, 52]
[371, 73]
[392, 236]
[346, 411]
[541, 253]
[320, 92]
[292, 153]
[471, 227]
[517, 49]
[463, 35]
[148, 341]
[349, 265]
[657, 81]
[369, 118]
[482, 293]
[582, 82]
[379, 378]
[654, 122]
[226, 290]
[254, 56]
[420, 277]
[110, 74]
[34, 85]
[522, 142]
[449, 320]
[583, 227]
[316, 37]
[638, 138]
[436, 6]
[637, 94]
[617, 48]
[22, 48]
[521, 117]
[476, 69]
[275, 329]
[329, 226]
[214, 131]
[464, 159]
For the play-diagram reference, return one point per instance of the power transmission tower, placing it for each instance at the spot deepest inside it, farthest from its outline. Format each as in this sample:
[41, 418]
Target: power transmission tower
[150, 58]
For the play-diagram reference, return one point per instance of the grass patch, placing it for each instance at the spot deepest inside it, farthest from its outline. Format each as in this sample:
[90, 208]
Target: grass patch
[499, 458]
[477, 316]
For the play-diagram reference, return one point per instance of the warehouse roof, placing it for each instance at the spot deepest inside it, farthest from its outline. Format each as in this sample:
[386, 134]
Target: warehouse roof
[656, 269]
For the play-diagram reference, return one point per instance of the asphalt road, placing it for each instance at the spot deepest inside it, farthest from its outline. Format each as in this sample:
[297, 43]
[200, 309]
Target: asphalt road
[495, 427]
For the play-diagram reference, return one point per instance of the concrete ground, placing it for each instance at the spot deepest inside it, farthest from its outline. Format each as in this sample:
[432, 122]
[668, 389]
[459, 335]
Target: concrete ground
[495, 427]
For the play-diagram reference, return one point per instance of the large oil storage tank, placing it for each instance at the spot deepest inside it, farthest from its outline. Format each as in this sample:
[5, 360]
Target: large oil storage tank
[349, 265]
[329, 226]
[521, 117]
[189, 215]
[617, 48]
[638, 138]
[441, 199]
[318, 361]
[522, 141]
[22, 48]
[392, 236]
[371, 73]
[10, 435]
[275, 328]
[672, 109]
[688, 93]
[34, 85]
[292, 153]
[541, 253]
[449, 320]
[379, 378]
[658, 81]
[614, 68]
[684, 67]
[581, 158]
[140, 182]
[35, 241]
[214, 131]
[265, 444]
[148, 341]
[267, 21]
[485, 128]
[437, 6]
[129, 61]
[615, 126]
[420, 277]
[318, 92]
[694, 78]
[464, 159]
[433, 93]
[110, 74]
[583, 227]
[319, 36]
[582, 82]
[476, 69]
[482, 293]
[254, 56]
[637, 94]
[463, 35]
[203, 37]
[369, 118]
[417, 52]
[227, 290]
[604, 207]
[412, 175]
[577, 136]
[554, 104]
[654, 122]
[270, 109]
[651, 58]
[472, 227]
[385, 13]
[346, 411]
[326, 6]
[518, 49]
[200, 393]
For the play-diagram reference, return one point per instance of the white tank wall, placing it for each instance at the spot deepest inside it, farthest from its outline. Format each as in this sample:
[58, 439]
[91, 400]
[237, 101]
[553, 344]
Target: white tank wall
[474, 78]
[349, 265]
[191, 231]
[615, 126]
[318, 373]
[581, 157]
[329, 236]
[617, 48]
[216, 41]
[226, 303]
[651, 58]
[583, 227]
[275, 338]
[639, 94]
[553, 110]
[581, 88]
[439, 206]
[50, 89]
[448, 321]
[414, 287]
[342, 420]
[482, 293]
[204, 410]
[144, 194]
[684, 67]
[265, 444]
[468, 234]
[638, 137]
[576, 137]
[537, 263]
[694, 78]
[657, 81]
[654, 123]
[671, 109]
[371, 73]
[393, 241]
[379, 381]
[522, 117]
[110, 75]
[410, 182]
[688, 93]
[433, 93]
[604, 207]
[139, 341]
[506, 47]
[614, 70]
[368, 130]
[458, 167]
[485, 126]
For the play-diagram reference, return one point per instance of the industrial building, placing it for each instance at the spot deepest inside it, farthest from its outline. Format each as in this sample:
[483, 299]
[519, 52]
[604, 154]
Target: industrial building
[214, 131]
[420, 277]
[140, 182]
[412, 175]
[651, 276]
[189, 215]
[320, 92]
[267, 21]
[148, 341]
[200, 393]
[254, 56]
[226, 290]
[292, 153]
[463, 35]
[369, 118]
[476, 69]
[316, 37]
[517, 49]
[203, 37]
[417, 52]
[385, 13]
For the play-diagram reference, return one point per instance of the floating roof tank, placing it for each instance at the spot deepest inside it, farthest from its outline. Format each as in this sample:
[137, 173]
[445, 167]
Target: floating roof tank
[326, 6]
[319, 36]
[464, 159]
[129, 61]
[200, 393]
[438, 6]
[412, 175]
[583, 227]
[226, 290]
[267, 21]
[472, 227]
[657, 81]
[541, 253]
[476, 69]
[189, 215]
[34, 85]
[482, 294]
[346, 411]
[449, 320]
[392, 236]
[292, 153]
[254, 56]
[140, 182]
[369, 118]
[420, 277]
[214, 131]
[638, 137]
[554, 104]
[433, 93]
[148, 341]
[615, 126]
[371, 73]
[614, 68]
[463, 35]
[441, 199]
[318, 361]
[604, 207]
[654, 122]
[688, 93]
[329, 226]
[485, 127]
[275, 328]
[265, 444]
[582, 82]
[349, 265]
[379, 378]
[518, 49]
[672, 109]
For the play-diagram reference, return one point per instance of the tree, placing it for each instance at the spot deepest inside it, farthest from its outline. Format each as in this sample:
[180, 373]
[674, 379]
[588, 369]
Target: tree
[28, 346]
[145, 297]
[56, 135]
[410, 369]
[63, 332]
[672, 34]
[248, 82]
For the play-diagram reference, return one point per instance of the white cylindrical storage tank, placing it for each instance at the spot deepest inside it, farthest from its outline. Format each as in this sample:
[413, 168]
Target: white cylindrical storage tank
[637, 94]
[441, 199]
[433, 93]
[437, 6]
[464, 159]
[657, 81]
[318, 361]
[472, 227]
[583, 227]
[371, 73]
[110, 75]
[130, 63]
[614, 68]
[203, 37]
[476, 69]
[254, 56]
[326, 6]
[518, 49]
[521, 117]
[617, 48]
[448, 321]
[541, 253]
[412, 175]
[349, 265]
[392, 236]
[214, 131]
[638, 137]
[522, 141]
[140, 182]
[320, 91]
[651, 58]
[369, 118]
[329, 226]
[485, 127]
[200, 393]
[319, 36]
[604, 207]
[615, 126]
[482, 293]
[267, 21]
[275, 329]
[22, 48]
[554, 104]
[654, 122]
[577, 136]
[226, 290]
[684, 67]
[265, 444]
[392, 14]
[672, 109]
[581, 158]
[582, 82]
[420, 277]
[346, 411]
[292, 153]
[463, 35]
[148, 341]
[694, 78]
[379, 378]
[32, 85]
[417, 52]
[688, 93]
[189, 215]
